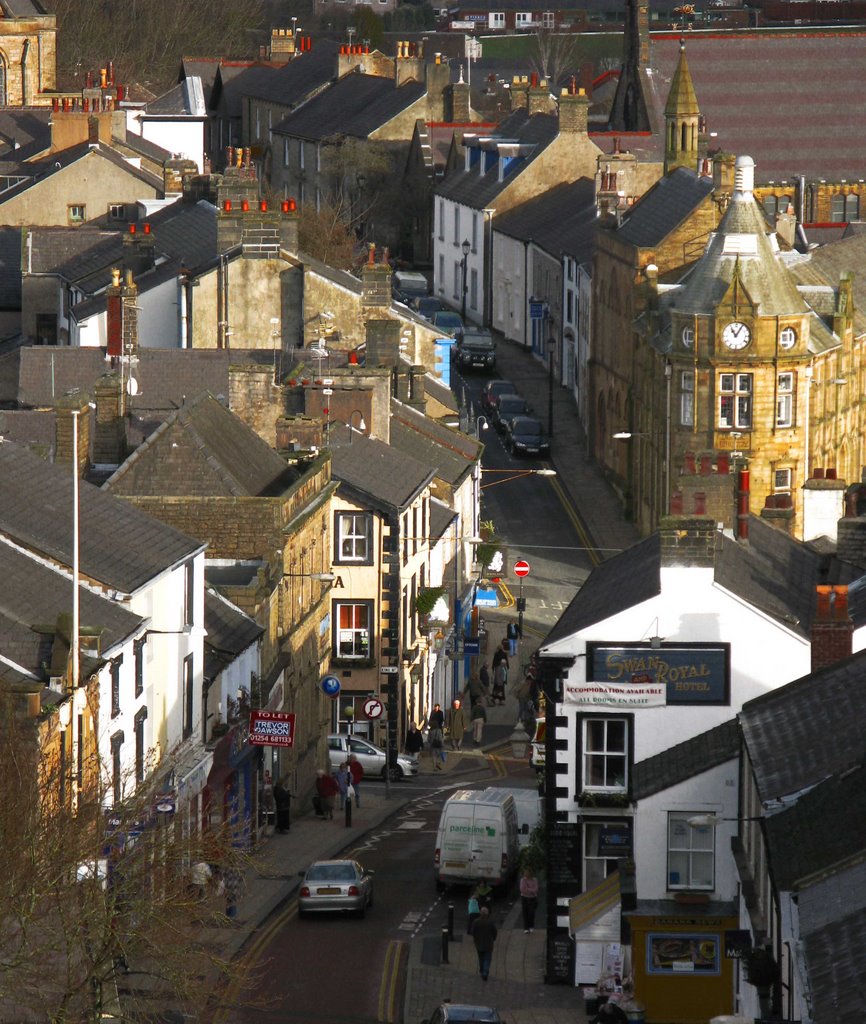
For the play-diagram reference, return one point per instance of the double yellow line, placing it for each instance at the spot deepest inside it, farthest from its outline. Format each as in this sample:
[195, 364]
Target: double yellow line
[394, 957]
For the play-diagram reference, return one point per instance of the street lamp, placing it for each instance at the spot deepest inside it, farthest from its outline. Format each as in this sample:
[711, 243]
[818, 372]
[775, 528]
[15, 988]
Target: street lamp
[628, 435]
[551, 344]
[321, 577]
[515, 475]
[711, 820]
[362, 426]
[466, 247]
[481, 423]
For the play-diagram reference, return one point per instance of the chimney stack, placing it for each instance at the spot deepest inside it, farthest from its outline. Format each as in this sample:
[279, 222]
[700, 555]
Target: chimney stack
[688, 541]
[573, 111]
[138, 248]
[538, 96]
[79, 402]
[376, 281]
[832, 633]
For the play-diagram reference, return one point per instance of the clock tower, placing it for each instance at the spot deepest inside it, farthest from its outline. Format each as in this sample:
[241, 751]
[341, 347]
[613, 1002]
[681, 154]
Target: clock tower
[740, 356]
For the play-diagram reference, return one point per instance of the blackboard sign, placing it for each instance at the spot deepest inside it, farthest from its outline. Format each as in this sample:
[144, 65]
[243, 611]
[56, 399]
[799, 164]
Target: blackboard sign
[559, 963]
[563, 853]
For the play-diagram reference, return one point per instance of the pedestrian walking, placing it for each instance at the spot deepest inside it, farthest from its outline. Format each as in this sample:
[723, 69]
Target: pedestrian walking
[476, 688]
[344, 780]
[500, 678]
[528, 899]
[327, 791]
[283, 803]
[479, 717]
[484, 677]
[414, 740]
[356, 770]
[484, 933]
[457, 724]
[473, 909]
[436, 721]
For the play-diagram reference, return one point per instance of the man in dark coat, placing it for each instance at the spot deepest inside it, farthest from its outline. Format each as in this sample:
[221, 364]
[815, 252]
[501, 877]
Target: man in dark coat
[283, 803]
[484, 936]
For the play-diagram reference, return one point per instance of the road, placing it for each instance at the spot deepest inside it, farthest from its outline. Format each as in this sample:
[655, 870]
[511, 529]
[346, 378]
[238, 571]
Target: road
[332, 969]
[533, 514]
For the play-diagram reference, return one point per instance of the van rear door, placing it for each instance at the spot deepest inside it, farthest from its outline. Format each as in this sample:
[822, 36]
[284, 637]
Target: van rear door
[455, 855]
[487, 840]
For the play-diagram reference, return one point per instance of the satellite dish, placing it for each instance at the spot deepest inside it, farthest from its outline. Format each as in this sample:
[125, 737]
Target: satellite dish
[132, 386]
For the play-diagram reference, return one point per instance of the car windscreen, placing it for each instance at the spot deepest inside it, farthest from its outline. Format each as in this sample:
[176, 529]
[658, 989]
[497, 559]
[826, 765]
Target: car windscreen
[509, 403]
[526, 428]
[477, 341]
[448, 320]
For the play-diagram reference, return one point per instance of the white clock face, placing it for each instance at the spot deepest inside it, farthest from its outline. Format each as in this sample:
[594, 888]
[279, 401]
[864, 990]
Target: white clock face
[689, 337]
[787, 337]
[736, 335]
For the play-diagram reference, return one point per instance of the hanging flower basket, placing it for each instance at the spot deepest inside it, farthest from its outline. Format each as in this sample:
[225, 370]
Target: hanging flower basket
[760, 966]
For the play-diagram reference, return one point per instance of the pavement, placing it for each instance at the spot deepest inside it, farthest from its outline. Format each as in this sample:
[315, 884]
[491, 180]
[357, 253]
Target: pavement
[516, 984]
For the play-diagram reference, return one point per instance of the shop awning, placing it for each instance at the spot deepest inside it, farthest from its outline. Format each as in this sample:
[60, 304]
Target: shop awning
[590, 906]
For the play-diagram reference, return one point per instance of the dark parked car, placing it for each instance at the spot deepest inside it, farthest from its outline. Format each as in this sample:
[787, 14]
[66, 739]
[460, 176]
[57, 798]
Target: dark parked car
[507, 407]
[427, 305]
[524, 435]
[448, 321]
[492, 390]
[476, 350]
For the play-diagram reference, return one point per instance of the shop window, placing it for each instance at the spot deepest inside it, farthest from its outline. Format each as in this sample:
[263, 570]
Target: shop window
[354, 531]
[682, 953]
[115, 686]
[690, 853]
[605, 754]
[352, 624]
[735, 400]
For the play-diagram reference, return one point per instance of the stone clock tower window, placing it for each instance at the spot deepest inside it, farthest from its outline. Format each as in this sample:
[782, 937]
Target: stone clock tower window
[785, 400]
[735, 401]
[787, 337]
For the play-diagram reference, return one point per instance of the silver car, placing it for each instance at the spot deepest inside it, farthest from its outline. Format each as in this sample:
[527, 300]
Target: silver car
[335, 885]
[371, 758]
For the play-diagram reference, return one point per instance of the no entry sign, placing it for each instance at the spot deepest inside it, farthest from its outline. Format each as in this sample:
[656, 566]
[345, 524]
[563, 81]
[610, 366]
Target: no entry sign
[521, 568]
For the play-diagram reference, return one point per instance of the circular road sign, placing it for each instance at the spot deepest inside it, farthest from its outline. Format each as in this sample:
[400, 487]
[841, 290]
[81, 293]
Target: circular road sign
[521, 568]
[373, 708]
[330, 686]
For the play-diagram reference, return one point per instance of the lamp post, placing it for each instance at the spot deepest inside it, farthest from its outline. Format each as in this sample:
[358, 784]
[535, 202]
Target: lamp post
[466, 247]
[551, 345]
[362, 426]
[628, 435]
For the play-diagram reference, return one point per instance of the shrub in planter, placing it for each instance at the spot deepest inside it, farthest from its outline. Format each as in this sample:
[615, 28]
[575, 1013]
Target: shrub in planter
[761, 967]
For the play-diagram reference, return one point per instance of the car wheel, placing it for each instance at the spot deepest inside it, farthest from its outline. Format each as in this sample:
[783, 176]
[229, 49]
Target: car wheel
[396, 773]
[440, 886]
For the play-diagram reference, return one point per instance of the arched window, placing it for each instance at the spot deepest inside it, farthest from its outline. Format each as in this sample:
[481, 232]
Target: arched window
[771, 205]
[684, 137]
[852, 207]
[837, 208]
[2, 80]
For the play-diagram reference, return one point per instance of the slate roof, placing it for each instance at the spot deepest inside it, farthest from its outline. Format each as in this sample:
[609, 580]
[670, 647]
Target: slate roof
[819, 716]
[374, 469]
[440, 392]
[773, 573]
[826, 264]
[618, 583]
[120, 546]
[561, 220]
[229, 632]
[165, 376]
[204, 68]
[449, 452]
[441, 518]
[762, 273]
[355, 105]
[22, 8]
[805, 838]
[34, 595]
[477, 190]
[685, 760]
[289, 84]
[203, 450]
[756, 90]
[185, 99]
[25, 131]
[664, 207]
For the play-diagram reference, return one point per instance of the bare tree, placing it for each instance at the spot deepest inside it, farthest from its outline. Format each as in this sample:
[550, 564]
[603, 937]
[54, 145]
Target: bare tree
[97, 910]
[554, 55]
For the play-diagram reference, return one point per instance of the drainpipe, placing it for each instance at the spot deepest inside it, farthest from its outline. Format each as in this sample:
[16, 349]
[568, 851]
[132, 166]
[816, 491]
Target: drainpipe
[526, 293]
[25, 49]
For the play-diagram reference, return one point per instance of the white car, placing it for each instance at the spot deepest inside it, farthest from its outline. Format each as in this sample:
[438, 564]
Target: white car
[371, 758]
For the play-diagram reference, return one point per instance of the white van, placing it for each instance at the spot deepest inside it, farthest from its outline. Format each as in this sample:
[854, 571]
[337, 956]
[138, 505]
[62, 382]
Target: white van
[476, 838]
[528, 807]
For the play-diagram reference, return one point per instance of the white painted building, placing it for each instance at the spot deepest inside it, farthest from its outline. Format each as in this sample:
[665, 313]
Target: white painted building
[654, 658]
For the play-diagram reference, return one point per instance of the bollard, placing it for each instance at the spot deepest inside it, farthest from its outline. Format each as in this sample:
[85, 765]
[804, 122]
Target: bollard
[444, 945]
[450, 922]
[348, 813]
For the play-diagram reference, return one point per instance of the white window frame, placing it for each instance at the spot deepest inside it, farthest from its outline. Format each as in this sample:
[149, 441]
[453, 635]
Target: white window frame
[735, 398]
[285, 152]
[474, 231]
[354, 537]
[690, 845]
[353, 636]
[785, 399]
[441, 220]
[441, 274]
[497, 19]
[591, 836]
[687, 398]
[608, 754]
[458, 278]
[457, 225]
[783, 480]
[473, 288]
[302, 156]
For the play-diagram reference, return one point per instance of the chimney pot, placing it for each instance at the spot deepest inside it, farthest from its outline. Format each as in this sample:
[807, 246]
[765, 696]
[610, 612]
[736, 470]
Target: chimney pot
[132, 229]
[103, 78]
[146, 227]
[263, 205]
[818, 473]
[292, 205]
[121, 93]
[227, 205]
[831, 473]
[245, 205]
[284, 206]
